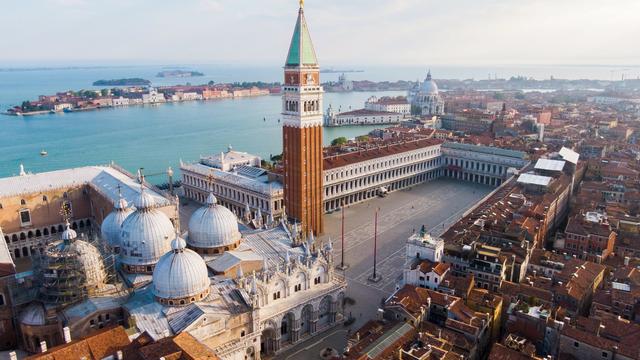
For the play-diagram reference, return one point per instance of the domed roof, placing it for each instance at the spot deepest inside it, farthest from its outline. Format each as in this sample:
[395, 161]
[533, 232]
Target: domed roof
[68, 234]
[33, 315]
[79, 267]
[213, 226]
[145, 234]
[144, 200]
[112, 224]
[180, 273]
[429, 87]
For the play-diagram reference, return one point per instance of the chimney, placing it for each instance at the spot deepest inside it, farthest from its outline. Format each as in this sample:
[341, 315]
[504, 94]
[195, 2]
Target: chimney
[626, 261]
[43, 346]
[119, 355]
[67, 334]
[13, 356]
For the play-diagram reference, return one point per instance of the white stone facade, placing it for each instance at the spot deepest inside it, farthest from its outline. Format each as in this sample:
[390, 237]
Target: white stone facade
[424, 247]
[357, 182]
[234, 190]
[388, 105]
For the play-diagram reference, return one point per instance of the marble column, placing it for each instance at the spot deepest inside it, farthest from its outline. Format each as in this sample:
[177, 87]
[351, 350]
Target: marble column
[313, 324]
[295, 331]
[333, 310]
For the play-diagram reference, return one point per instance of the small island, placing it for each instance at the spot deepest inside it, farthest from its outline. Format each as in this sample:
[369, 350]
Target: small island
[123, 82]
[178, 74]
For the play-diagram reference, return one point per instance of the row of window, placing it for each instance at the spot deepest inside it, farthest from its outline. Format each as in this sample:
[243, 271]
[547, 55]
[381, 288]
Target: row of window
[231, 193]
[365, 169]
[44, 199]
[374, 179]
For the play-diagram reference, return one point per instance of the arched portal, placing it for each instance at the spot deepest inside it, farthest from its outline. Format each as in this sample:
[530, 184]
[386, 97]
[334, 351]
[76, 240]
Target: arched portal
[323, 311]
[306, 318]
[267, 342]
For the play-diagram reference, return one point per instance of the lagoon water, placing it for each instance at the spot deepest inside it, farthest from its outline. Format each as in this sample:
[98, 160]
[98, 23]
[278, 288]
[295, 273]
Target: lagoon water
[156, 137]
[152, 137]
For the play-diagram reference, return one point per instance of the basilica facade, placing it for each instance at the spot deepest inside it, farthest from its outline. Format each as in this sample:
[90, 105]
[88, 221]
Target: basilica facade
[425, 99]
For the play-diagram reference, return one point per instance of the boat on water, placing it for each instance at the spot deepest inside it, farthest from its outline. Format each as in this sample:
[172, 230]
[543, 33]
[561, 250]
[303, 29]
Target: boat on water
[44, 153]
[67, 110]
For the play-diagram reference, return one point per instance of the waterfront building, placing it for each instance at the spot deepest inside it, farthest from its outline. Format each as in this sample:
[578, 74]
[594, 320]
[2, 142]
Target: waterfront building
[425, 99]
[31, 203]
[302, 130]
[121, 101]
[153, 97]
[238, 182]
[398, 104]
[362, 117]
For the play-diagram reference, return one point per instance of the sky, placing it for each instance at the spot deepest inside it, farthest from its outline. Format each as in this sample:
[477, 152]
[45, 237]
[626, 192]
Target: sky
[345, 32]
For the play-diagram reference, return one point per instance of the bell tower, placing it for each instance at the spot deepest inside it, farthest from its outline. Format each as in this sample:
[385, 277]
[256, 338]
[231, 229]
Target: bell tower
[302, 130]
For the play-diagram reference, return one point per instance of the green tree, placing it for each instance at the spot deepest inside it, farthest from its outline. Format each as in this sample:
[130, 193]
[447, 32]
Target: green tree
[339, 141]
[104, 92]
[362, 138]
[276, 158]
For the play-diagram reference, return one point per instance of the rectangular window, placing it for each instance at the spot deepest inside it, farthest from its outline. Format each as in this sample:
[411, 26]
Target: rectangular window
[25, 217]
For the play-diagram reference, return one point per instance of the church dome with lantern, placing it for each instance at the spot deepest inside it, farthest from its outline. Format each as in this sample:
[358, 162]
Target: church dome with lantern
[213, 229]
[181, 276]
[146, 236]
[112, 224]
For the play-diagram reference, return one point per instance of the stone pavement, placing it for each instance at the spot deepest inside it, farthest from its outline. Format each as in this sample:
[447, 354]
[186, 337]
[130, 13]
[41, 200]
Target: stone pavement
[436, 205]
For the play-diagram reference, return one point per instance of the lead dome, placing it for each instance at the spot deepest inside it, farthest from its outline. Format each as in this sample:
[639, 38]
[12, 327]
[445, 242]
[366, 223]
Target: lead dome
[213, 229]
[181, 276]
[112, 224]
[145, 236]
[429, 86]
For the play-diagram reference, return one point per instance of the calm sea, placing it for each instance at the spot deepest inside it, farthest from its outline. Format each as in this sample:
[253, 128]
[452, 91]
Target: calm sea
[156, 137]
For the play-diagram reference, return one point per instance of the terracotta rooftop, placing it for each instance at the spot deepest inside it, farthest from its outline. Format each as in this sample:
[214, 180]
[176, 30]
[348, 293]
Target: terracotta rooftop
[97, 346]
[334, 161]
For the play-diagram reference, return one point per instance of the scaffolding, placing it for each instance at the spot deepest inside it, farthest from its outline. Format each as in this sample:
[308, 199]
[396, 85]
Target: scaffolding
[69, 271]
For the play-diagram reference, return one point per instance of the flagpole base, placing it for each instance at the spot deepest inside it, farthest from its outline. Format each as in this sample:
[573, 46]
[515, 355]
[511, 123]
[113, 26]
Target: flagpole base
[375, 279]
[342, 267]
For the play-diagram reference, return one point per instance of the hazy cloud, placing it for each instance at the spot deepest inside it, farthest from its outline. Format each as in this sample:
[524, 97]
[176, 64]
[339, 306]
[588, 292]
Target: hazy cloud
[344, 32]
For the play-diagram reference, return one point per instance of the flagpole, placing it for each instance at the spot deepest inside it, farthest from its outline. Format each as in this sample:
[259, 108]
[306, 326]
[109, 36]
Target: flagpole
[375, 277]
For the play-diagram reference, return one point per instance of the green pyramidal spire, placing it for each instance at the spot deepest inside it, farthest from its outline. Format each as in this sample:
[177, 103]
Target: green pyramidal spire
[301, 51]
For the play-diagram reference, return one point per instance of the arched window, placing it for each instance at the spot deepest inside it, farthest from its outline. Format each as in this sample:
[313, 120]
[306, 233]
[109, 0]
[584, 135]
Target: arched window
[44, 198]
[23, 202]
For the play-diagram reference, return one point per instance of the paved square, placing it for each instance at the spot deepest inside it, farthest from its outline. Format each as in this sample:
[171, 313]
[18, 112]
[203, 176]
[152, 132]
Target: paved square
[436, 205]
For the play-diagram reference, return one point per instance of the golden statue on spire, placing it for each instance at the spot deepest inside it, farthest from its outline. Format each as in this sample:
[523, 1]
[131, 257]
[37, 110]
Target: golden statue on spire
[301, 4]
